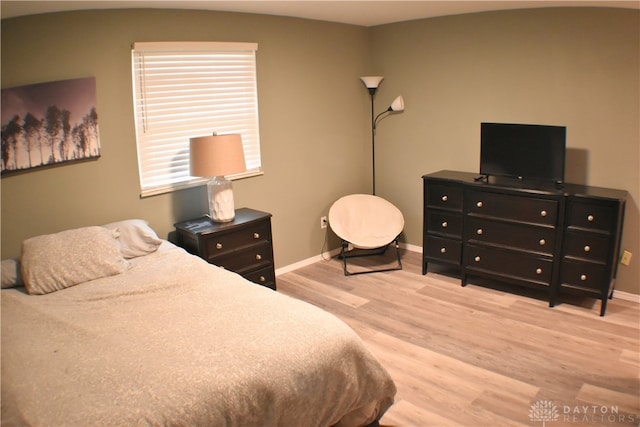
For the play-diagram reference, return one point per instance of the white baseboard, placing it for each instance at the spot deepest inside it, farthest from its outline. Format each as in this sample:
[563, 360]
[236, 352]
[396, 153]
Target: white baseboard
[627, 296]
[305, 262]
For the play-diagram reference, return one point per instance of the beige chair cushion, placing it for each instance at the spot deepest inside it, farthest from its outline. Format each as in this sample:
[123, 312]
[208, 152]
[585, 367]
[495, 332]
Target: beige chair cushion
[365, 221]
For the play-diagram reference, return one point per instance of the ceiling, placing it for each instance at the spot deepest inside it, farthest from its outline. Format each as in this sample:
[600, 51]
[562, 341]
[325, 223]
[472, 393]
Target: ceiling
[359, 12]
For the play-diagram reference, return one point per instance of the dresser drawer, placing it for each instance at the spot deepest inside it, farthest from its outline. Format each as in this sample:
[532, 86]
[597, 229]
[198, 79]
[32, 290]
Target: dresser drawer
[516, 208]
[589, 246]
[583, 275]
[514, 235]
[509, 264]
[444, 223]
[443, 250]
[444, 196]
[591, 216]
[247, 259]
[223, 243]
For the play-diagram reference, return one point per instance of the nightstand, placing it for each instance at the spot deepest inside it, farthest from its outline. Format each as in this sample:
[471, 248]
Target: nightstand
[244, 245]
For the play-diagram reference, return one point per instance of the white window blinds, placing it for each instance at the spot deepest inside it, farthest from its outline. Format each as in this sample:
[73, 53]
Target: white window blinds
[189, 89]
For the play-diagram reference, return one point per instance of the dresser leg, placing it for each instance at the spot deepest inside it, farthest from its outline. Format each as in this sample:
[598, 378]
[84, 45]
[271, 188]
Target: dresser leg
[603, 303]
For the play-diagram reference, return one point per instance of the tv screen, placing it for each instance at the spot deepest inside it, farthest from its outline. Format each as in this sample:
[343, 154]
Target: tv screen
[525, 152]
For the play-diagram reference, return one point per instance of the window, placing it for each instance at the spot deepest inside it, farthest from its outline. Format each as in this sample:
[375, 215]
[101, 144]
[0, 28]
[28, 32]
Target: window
[188, 89]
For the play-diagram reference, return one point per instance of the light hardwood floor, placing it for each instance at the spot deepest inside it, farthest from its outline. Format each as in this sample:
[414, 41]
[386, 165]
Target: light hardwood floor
[483, 356]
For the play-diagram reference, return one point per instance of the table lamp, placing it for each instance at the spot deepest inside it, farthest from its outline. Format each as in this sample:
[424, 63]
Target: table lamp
[216, 156]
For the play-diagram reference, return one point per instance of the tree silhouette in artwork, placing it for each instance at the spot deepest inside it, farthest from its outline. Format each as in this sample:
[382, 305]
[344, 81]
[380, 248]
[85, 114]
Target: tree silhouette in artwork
[66, 135]
[32, 128]
[53, 126]
[10, 136]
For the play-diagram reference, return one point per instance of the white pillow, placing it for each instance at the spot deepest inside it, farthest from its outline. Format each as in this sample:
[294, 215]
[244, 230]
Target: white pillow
[11, 273]
[136, 238]
[52, 262]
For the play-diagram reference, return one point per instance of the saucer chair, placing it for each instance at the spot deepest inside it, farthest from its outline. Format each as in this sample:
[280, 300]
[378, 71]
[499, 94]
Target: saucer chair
[367, 225]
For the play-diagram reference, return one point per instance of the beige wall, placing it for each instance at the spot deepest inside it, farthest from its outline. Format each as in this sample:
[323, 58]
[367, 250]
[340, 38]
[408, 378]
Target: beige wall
[313, 120]
[573, 67]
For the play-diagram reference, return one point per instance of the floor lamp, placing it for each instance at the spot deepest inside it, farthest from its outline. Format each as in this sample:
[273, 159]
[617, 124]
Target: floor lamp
[372, 83]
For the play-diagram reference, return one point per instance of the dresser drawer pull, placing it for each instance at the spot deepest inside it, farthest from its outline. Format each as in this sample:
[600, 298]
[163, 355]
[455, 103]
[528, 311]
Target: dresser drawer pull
[477, 259]
[479, 204]
[218, 245]
[583, 277]
[587, 248]
[443, 250]
[445, 224]
[538, 271]
[262, 279]
[591, 218]
[258, 257]
[543, 242]
[479, 231]
[445, 198]
[256, 235]
[543, 213]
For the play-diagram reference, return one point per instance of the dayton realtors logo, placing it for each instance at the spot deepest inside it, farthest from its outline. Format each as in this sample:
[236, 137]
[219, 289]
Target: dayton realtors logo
[547, 411]
[544, 410]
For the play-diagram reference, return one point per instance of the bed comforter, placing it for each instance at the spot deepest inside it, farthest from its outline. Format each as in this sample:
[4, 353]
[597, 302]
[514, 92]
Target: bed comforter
[176, 341]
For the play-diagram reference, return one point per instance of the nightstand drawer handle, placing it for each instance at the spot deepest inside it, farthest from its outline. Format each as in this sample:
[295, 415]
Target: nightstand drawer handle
[479, 204]
[218, 245]
[587, 248]
[543, 213]
[256, 235]
[258, 257]
[583, 277]
[445, 198]
[262, 279]
[543, 242]
[479, 231]
[590, 218]
[538, 271]
[445, 224]
[477, 259]
[443, 250]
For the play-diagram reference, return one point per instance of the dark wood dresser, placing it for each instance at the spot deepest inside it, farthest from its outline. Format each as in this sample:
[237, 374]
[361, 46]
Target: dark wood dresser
[561, 238]
[244, 245]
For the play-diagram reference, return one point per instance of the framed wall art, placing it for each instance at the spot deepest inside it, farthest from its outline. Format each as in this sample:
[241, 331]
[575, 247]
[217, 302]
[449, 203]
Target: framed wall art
[50, 123]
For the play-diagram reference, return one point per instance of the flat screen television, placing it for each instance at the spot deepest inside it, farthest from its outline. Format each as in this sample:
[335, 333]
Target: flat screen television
[522, 151]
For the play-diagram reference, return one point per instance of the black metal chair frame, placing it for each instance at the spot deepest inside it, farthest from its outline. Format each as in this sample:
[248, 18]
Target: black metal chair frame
[358, 253]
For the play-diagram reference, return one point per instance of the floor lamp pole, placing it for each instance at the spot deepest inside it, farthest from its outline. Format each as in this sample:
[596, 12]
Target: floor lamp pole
[373, 143]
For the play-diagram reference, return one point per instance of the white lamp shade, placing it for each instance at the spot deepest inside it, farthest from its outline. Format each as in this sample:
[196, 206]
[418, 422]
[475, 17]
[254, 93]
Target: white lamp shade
[216, 155]
[397, 104]
[371, 82]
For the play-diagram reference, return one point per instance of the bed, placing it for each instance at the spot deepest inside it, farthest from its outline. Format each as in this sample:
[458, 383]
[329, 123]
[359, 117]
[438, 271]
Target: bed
[112, 326]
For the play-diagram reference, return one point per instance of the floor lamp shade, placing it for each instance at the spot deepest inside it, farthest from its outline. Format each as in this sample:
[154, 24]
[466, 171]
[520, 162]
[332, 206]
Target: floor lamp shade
[216, 156]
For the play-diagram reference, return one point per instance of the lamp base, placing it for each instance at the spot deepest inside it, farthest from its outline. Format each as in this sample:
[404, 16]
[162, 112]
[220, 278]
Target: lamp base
[221, 206]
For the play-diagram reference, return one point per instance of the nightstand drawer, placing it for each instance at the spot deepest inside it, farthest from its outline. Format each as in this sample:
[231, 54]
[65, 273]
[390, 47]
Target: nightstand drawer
[223, 243]
[250, 258]
[265, 277]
